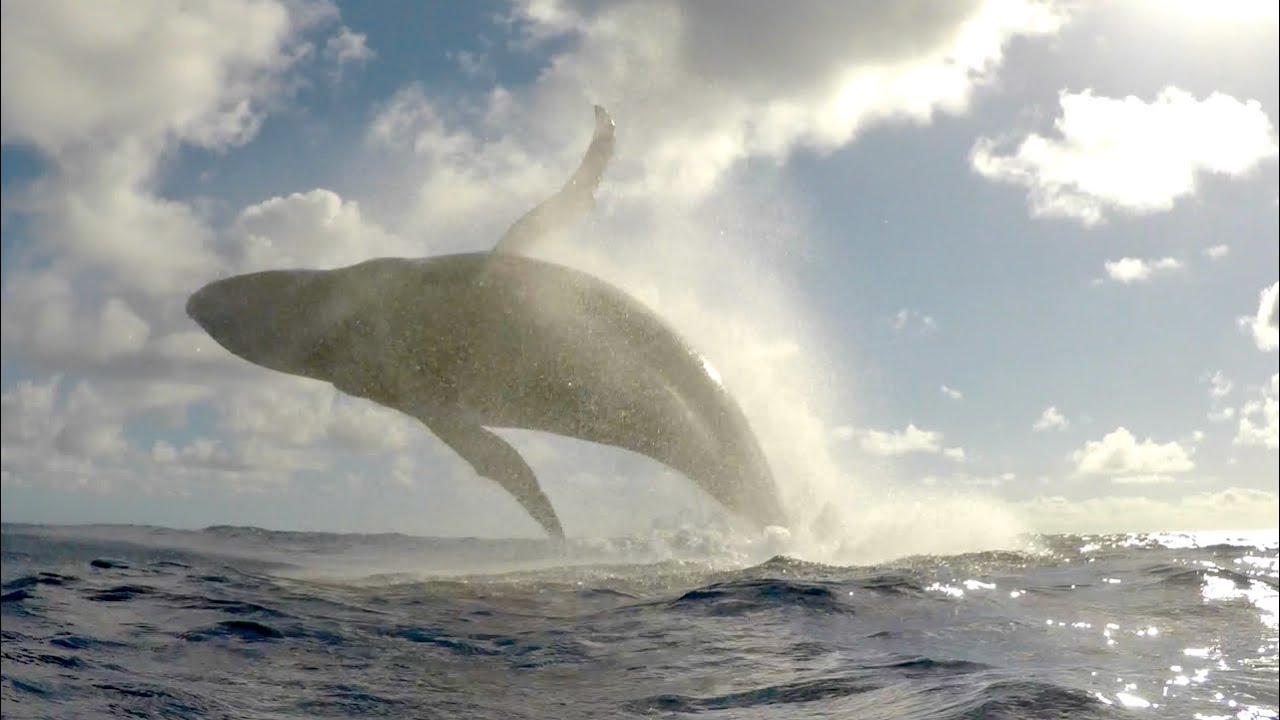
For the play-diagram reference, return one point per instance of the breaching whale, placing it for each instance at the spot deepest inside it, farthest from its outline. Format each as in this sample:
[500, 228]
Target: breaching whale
[474, 341]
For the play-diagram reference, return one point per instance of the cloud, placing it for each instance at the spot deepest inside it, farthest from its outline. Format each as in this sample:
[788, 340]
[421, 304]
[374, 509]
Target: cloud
[58, 432]
[315, 229]
[1133, 270]
[1230, 509]
[844, 432]
[119, 72]
[473, 65]
[43, 316]
[908, 441]
[893, 443]
[910, 322]
[1262, 326]
[130, 86]
[1256, 15]
[236, 457]
[1216, 252]
[103, 302]
[1221, 414]
[1260, 418]
[952, 393]
[1152, 479]
[970, 481]
[1127, 155]
[1220, 385]
[763, 79]
[74, 423]
[1051, 419]
[1120, 455]
[302, 413]
[120, 87]
[348, 47]
[83, 418]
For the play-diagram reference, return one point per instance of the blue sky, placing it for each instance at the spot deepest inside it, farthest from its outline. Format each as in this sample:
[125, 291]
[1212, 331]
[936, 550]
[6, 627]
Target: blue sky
[992, 266]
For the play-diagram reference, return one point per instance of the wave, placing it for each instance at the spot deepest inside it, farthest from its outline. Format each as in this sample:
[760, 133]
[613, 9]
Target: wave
[247, 630]
[114, 627]
[746, 596]
[956, 690]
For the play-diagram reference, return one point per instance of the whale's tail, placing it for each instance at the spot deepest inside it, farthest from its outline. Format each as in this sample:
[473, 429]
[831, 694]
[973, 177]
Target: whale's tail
[574, 200]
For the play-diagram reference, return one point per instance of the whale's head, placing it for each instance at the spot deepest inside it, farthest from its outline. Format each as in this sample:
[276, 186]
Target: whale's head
[272, 318]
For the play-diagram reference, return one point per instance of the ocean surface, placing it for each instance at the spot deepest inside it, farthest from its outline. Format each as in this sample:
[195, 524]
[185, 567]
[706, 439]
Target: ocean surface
[229, 622]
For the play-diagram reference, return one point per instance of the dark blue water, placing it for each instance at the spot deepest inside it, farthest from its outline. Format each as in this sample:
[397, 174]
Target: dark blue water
[245, 623]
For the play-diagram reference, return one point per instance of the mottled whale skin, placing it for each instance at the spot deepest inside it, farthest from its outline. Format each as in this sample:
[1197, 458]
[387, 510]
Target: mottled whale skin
[475, 341]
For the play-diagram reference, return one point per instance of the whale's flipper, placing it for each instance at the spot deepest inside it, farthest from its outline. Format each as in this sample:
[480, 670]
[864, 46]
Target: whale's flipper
[490, 456]
[573, 201]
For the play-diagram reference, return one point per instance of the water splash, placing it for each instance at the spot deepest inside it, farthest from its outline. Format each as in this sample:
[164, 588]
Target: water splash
[718, 272]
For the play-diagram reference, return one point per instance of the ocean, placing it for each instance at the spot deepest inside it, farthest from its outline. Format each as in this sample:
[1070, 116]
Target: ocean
[232, 622]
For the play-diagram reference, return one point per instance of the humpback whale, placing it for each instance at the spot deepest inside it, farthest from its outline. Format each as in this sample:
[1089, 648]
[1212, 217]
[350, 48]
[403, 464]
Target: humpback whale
[470, 342]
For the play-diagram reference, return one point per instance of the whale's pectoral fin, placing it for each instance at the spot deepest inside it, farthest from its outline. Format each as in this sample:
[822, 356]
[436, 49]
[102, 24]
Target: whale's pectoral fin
[574, 200]
[490, 456]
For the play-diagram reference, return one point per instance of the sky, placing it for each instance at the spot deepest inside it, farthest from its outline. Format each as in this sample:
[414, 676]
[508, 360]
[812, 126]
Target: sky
[971, 268]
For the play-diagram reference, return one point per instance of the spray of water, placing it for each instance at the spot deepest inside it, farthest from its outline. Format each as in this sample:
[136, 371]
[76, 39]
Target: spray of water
[718, 273]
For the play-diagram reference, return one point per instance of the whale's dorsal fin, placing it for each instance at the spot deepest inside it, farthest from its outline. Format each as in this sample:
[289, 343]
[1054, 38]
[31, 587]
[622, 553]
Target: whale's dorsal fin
[573, 201]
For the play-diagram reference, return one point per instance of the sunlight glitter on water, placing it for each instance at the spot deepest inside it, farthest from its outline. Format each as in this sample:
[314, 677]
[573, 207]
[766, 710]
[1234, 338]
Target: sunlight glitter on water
[1130, 700]
[972, 585]
[1263, 596]
[1260, 539]
[946, 589]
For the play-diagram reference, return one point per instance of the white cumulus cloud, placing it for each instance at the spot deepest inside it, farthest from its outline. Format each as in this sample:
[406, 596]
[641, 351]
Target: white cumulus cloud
[105, 93]
[315, 229]
[1260, 417]
[1129, 155]
[1133, 270]
[952, 393]
[139, 71]
[908, 441]
[1262, 326]
[752, 80]
[1120, 455]
[1051, 419]
[1216, 252]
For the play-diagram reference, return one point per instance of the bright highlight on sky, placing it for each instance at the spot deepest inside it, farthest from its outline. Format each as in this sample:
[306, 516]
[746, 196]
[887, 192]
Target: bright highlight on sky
[958, 260]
